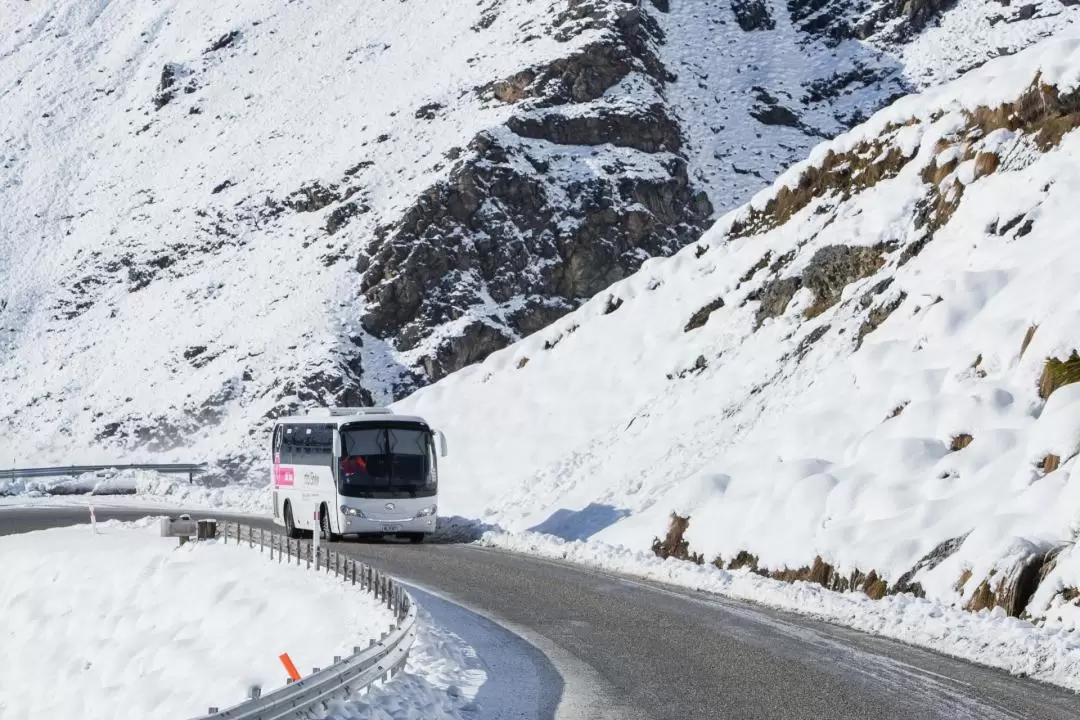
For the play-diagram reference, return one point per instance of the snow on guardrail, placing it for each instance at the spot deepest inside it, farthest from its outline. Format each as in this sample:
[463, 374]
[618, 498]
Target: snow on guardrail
[381, 660]
[188, 469]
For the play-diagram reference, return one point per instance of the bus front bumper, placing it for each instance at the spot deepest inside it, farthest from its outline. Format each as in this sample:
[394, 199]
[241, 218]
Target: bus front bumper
[363, 525]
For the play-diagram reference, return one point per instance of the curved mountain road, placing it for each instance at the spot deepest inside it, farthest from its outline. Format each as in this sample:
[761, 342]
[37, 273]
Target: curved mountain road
[609, 647]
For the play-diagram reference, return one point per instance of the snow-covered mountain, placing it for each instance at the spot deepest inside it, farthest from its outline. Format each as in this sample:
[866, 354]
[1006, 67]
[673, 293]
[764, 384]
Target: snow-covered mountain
[860, 377]
[213, 214]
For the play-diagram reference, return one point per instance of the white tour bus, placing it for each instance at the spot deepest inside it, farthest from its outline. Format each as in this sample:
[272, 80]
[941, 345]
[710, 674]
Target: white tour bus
[356, 471]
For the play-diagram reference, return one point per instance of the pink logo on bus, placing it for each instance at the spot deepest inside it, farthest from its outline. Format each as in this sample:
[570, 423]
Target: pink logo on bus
[283, 476]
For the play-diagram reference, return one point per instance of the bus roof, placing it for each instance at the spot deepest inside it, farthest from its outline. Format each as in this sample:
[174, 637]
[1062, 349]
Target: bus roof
[348, 416]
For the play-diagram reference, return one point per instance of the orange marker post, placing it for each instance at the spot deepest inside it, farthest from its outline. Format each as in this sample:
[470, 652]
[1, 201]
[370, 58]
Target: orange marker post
[289, 667]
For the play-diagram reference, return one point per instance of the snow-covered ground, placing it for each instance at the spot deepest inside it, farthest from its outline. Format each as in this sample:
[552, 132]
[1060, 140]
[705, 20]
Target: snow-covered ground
[816, 434]
[866, 430]
[123, 624]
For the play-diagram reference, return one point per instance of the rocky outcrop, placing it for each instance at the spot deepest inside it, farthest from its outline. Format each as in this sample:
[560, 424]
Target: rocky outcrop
[499, 231]
[525, 228]
[648, 129]
[752, 15]
[842, 19]
[835, 267]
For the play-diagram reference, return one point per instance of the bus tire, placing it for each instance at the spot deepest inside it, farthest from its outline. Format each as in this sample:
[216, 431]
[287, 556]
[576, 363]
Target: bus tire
[324, 525]
[290, 524]
[415, 538]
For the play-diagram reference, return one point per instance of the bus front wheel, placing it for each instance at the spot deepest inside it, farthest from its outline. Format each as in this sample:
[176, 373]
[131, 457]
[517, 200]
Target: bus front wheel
[415, 538]
[324, 526]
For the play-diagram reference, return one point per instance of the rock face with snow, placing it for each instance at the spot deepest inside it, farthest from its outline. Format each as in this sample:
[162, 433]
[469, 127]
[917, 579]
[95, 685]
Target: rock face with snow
[583, 182]
[863, 378]
[211, 219]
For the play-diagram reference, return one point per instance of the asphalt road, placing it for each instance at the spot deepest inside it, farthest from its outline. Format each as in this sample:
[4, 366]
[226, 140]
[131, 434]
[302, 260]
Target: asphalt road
[591, 645]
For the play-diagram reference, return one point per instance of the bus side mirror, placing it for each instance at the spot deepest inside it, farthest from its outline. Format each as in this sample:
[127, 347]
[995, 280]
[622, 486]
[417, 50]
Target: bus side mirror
[442, 442]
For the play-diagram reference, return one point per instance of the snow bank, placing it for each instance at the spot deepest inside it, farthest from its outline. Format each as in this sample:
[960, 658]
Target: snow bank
[904, 415]
[123, 624]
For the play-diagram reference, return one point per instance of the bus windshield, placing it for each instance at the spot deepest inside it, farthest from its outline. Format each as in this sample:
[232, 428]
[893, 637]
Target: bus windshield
[386, 462]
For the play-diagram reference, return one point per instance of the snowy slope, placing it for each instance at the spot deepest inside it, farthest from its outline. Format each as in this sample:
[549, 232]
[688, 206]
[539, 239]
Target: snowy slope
[185, 195]
[213, 215]
[844, 369]
[760, 83]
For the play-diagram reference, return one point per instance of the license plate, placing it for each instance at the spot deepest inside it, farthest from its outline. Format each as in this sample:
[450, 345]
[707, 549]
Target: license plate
[391, 528]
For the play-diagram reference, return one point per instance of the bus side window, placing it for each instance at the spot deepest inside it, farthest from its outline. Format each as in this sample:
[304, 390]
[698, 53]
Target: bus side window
[322, 445]
[305, 446]
[287, 456]
[275, 448]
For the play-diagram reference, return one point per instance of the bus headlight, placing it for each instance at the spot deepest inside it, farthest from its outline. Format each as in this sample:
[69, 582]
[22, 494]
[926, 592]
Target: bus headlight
[351, 511]
[427, 512]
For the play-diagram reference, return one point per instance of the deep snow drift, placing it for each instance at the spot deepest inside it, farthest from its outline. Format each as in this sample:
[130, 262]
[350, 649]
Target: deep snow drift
[845, 368]
[123, 624]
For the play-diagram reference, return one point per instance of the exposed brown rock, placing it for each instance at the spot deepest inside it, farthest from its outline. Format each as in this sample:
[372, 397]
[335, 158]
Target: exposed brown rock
[1050, 463]
[701, 316]
[674, 545]
[1058, 373]
[959, 442]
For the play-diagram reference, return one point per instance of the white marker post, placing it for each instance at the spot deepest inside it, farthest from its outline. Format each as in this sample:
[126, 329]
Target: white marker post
[316, 533]
[93, 520]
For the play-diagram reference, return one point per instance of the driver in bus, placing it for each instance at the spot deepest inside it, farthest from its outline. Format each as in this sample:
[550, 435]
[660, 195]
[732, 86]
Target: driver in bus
[353, 464]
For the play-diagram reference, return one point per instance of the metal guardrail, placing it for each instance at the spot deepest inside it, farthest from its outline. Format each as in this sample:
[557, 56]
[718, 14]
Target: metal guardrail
[188, 469]
[381, 660]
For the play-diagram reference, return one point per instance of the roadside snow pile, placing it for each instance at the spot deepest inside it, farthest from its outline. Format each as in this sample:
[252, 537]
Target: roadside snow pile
[124, 624]
[1050, 654]
[154, 630]
[440, 682]
[861, 377]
